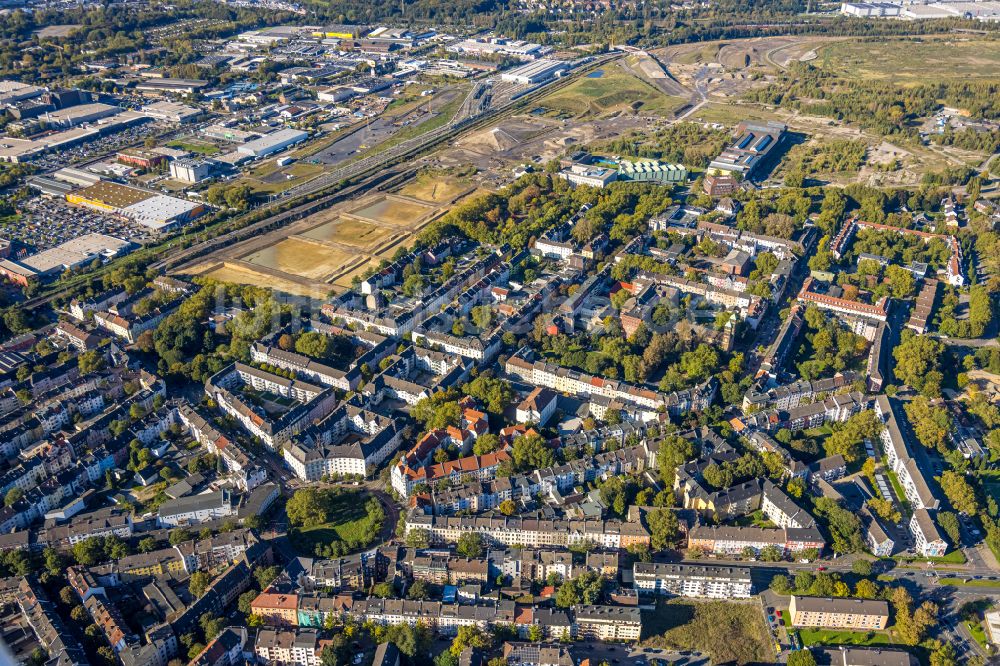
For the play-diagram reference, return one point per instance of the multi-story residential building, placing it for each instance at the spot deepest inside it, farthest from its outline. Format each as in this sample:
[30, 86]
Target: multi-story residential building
[841, 613]
[782, 511]
[607, 623]
[692, 580]
[310, 402]
[876, 536]
[730, 540]
[349, 441]
[226, 649]
[100, 523]
[897, 453]
[879, 312]
[953, 267]
[789, 396]
[277, 609]
[565, 380]
[859, 656]
[530, 532]
[61, 645]
[927, 539]
[538, 407]
[298, 647]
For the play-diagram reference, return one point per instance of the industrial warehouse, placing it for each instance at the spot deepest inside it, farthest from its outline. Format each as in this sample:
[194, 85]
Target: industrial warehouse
[155, 211]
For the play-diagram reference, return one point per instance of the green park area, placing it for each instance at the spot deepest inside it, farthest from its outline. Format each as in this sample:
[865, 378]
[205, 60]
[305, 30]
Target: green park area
[830, 637]
[331, 522]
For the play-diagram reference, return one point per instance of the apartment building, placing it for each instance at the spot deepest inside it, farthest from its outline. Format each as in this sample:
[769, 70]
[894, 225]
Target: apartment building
[841, 613]
[349, 441]
[782, 511]
[927, 539]
[897, 452]
[565, 380]
[299, 647]
[529, 532]
[309, 402]
[692, 580]
[731, 540]
[607, 623]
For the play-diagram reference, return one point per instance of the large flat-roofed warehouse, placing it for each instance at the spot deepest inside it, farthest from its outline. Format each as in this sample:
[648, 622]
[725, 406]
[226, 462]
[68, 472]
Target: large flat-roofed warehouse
[72, 253]
[105, 195]
[156, 211]
[540, 70]
[754, 144]
[163, 213]
[82, 113]
[171, 112]
[272, 143]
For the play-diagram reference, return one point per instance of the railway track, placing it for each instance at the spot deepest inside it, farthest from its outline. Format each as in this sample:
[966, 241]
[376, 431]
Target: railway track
[374, 171]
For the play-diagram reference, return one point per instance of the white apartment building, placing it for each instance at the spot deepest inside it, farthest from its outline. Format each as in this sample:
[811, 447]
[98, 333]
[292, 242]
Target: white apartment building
[692, 580]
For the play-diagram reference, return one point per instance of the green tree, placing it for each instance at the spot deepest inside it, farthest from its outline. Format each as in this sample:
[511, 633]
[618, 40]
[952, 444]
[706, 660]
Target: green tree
[89, 551]
[530, 451]
[419, 590]
[90, 362]
[244, 601]
[470, 544]
[801, 658]
[470, 637]
[179, 535]
[663, 528]
[13, 496]
[198, 583]
[306, 508]
[918, 361]
[314, 344]
[862, 567]
[959, 492]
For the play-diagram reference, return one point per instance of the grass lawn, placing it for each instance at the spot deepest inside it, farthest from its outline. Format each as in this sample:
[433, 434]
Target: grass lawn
[727, 632]
[349, 526]
[954, 557]
[897, 488]
[831, 637]
[912, 61]
[961, 582]
[198, 148]
[979, 633]
[614, 91]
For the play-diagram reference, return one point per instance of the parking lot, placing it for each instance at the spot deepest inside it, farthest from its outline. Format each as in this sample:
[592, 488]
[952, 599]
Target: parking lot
[104, 145]
[45, 223]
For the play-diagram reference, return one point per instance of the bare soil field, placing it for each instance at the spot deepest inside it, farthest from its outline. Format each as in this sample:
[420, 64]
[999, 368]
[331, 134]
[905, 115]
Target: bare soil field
[349, 231]
[436, 188]
[396, 211]
[313, 261]
[239, 274]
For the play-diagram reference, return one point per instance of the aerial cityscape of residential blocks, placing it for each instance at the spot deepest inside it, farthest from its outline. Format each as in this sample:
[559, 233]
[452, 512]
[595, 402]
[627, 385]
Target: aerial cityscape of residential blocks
[499, 334]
